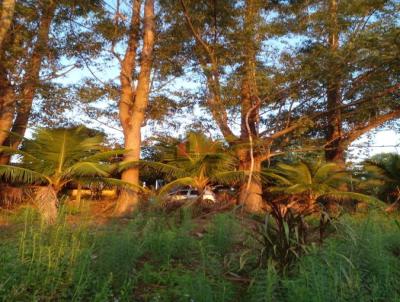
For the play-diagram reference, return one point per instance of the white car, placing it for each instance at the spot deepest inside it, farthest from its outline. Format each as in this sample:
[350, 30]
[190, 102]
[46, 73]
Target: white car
[191, 194]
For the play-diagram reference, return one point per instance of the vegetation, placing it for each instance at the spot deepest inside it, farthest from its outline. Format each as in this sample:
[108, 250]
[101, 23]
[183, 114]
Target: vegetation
[56, 157]
[198, 162]
[157, 257]
[115, 115]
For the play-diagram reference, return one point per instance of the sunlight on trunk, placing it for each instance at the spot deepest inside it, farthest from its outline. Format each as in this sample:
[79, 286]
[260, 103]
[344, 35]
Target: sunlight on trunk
[46, 201]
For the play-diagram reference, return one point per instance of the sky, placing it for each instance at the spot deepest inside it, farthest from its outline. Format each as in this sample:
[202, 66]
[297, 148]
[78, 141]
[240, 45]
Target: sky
[386, 140]
[382, 141]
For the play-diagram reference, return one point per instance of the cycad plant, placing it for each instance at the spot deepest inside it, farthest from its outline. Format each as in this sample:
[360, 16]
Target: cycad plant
[382, 175]
[312, 182]
[54, 158]
[198, 162]
[306, 187]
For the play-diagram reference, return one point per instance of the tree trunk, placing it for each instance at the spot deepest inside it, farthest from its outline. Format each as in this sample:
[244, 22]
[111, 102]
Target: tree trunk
[251, 191]
[46, 200]
[133, 104]
[7, 106]
[250, 194]
[7, 13]
[31, 79]
[333, 148]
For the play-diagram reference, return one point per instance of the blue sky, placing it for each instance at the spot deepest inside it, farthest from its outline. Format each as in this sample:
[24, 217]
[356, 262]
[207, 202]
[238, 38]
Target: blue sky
[376, 142]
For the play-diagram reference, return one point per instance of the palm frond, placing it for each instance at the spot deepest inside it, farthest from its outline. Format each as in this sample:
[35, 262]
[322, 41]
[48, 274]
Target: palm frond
[22, 175]
[229, 177]
[167, 169]
[105, 155]
[90, 169]
[12, 151]
[184, 181]
[339, 195]
[109, 182]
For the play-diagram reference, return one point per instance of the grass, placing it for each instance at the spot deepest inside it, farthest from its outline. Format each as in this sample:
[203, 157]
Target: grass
[160, 257]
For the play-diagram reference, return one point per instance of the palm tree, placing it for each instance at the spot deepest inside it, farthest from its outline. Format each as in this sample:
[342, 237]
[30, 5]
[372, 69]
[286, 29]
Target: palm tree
[313, 182]
[198, 162]
[382, 173]
[54, 158]
[306, 186]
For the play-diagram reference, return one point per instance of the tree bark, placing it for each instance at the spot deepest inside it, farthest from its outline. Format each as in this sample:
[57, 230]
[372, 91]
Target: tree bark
[6, 16]
[250, 194]
[133, 103]
[31, 79]
[7, 105]
[46, 201]
[333, 148]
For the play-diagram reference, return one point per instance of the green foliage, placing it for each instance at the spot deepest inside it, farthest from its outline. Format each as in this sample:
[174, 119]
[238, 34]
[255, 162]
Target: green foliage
[222, 233]
[312, 182]
[162, 258]
[55, 157]
[282, 239]
[198, 162]
[361, 264]
[382, 176]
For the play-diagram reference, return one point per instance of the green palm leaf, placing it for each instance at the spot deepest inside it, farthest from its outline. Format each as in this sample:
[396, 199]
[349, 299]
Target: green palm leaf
[22, 175]
[184, 181]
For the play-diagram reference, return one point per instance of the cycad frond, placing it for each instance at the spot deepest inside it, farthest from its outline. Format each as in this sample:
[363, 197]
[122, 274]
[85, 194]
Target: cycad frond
[108, 182]
[88, 169]
[343, 196]
[183, 181]
[22, 175]
[229, 177]
[167, 169]
[105, 155]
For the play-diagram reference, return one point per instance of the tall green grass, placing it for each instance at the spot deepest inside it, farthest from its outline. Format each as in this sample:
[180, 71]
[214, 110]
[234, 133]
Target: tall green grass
[360, 263]
[159, 257]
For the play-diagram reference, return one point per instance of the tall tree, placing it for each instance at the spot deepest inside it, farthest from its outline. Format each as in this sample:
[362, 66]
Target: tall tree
[347, 66]
[39, 48]
[226, 40]
[134, 95]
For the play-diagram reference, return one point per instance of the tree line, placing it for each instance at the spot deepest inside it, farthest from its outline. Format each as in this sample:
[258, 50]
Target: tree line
[275, 76]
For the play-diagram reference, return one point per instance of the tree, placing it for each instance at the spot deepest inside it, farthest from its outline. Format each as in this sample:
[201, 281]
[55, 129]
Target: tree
[198, 162]
[40, 47]
[225, 40]
[55, 158]
[312, 182]
[382, 176]
[135, 95]
[347, 67]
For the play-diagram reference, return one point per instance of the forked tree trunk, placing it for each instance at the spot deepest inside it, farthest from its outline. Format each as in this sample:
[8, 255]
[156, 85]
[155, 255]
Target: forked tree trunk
[46, 201]
[133, 103]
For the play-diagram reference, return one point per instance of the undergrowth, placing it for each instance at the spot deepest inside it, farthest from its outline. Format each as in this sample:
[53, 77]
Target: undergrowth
[160, 257]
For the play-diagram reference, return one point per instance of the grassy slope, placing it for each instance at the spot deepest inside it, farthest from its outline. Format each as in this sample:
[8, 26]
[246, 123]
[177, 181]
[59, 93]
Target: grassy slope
[158, 257]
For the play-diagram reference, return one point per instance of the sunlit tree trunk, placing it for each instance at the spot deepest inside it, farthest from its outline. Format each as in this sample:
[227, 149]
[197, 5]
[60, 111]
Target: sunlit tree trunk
[46, 201]
[6, 16]
[133, 102]
[31, 79]
[7, 105]
[250, 192]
